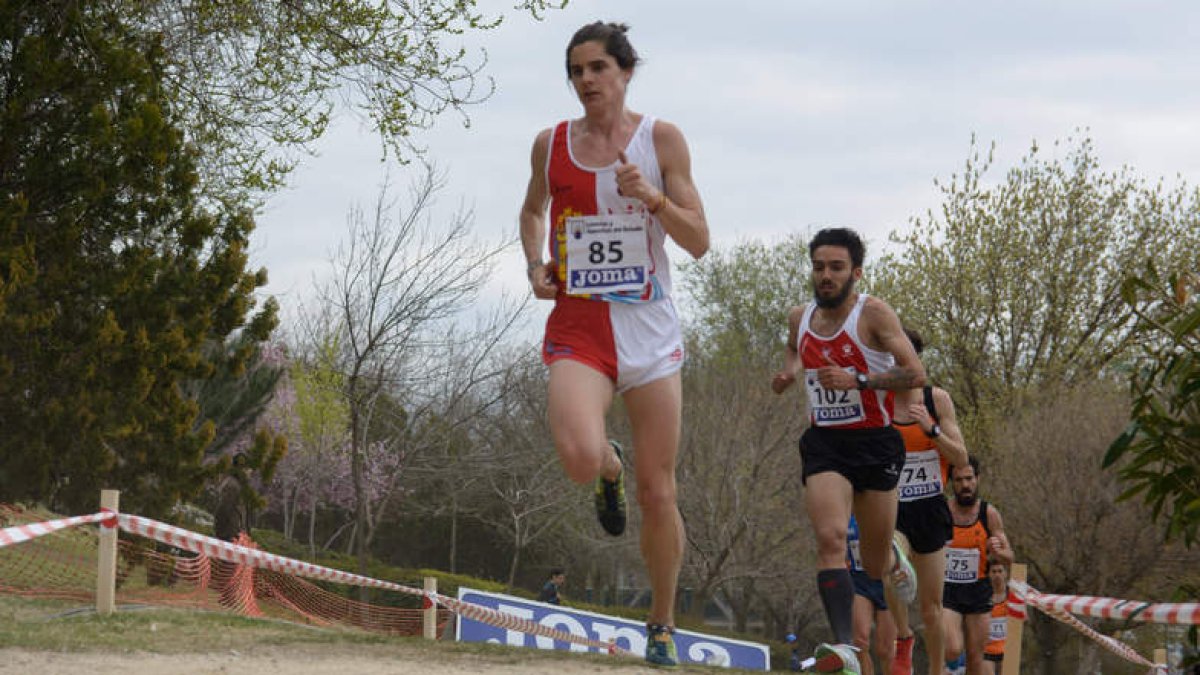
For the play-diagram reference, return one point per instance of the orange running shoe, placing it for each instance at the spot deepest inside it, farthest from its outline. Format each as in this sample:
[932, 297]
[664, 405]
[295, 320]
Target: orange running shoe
[902, 664]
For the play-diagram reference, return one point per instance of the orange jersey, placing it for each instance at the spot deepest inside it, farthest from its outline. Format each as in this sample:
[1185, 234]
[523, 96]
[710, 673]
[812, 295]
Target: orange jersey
[925, 470]
[966, 554]
[997, 629]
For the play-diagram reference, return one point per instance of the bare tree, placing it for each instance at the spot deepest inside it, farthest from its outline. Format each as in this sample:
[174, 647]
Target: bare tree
[739, 481]
[1061, 510]
[400, 290]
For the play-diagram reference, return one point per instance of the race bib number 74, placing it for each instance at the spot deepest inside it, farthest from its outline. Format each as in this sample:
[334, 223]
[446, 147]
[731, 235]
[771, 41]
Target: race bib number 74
[607, 253]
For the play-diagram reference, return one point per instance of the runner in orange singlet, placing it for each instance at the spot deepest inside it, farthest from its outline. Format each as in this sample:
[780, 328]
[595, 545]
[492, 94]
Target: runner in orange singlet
[967, 597]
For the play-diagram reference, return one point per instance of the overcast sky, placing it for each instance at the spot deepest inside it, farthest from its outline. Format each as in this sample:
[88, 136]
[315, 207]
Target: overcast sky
[797, 112]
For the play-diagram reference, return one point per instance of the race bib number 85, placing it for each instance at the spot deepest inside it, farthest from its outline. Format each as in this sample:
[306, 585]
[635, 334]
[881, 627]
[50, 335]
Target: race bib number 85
[606, 254]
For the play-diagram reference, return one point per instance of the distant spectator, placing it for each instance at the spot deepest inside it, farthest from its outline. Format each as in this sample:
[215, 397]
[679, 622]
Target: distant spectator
[230, 516]
[550, 590]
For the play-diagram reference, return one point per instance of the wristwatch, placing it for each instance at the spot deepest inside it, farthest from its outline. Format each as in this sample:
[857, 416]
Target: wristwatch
[934, 431]
[861, 380]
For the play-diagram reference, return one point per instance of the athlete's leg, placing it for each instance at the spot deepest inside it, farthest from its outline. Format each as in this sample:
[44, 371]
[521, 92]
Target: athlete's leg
[885, 638]
[827, 499]
[975, 629]
[989, 667]
[579, 398]
[864, 611]
[931, 572]
[876, 514]
[655, 411]
[952, 633]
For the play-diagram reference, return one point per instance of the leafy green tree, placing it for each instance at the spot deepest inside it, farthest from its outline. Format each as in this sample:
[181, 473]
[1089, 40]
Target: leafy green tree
[235, 395]
[1016, 282]
[114, 276]
[1159, 451]
[738, 298]
[257, 81]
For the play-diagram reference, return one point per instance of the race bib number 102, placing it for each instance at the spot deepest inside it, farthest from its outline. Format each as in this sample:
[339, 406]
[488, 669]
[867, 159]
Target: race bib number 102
[606, 254]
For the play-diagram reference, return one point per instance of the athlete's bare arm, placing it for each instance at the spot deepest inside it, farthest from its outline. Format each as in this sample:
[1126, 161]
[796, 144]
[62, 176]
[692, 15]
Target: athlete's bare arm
[682, 215]
[950, 442]
[533, 221]
[881, 330]
[998, 541]
[791, 358]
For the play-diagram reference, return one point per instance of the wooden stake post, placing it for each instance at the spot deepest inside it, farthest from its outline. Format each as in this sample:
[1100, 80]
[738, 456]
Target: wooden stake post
[1012, 644]
[430, 617]
[106, 565]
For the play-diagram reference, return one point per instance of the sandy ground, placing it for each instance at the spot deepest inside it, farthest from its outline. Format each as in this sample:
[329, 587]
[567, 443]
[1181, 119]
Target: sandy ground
[325, 661]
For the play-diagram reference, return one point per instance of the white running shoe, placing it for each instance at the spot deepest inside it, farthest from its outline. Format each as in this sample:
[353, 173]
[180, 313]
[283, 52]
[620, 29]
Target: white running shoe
[837, 659]
[904, 577]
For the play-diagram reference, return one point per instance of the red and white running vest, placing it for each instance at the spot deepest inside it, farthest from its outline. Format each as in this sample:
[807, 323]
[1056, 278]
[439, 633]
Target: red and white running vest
[606, 246]
[852, 409]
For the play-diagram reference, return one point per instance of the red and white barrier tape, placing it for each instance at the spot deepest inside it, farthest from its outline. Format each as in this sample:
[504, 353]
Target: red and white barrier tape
[1016, 606]
[19, 533]
[1175, 613]
[242, 555]
[1047, 604]
[216, 548]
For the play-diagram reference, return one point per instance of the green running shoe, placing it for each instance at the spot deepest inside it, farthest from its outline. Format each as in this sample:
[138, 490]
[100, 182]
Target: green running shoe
[660, 646]
[837, 659]
[610, 498]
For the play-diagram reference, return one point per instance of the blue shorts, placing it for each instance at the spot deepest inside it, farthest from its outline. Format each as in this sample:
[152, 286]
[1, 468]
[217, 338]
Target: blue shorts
[871, 589]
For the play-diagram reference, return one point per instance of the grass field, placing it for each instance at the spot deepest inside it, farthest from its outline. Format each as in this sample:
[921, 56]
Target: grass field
[54, 636]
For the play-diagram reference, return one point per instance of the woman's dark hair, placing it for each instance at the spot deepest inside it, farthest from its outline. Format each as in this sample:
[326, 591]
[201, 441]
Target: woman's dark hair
[840, 236]
[612, 35]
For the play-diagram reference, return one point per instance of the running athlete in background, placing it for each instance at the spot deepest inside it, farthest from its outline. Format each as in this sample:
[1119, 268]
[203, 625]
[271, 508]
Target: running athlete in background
[870, 607]
[933, 442]
[993, 650]
[616, 184]
[967, 597]
[852, 353]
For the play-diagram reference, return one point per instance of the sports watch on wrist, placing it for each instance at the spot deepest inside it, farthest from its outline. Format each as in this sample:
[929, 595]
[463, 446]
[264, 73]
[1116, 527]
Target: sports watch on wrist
[860, 380]
[934, 431]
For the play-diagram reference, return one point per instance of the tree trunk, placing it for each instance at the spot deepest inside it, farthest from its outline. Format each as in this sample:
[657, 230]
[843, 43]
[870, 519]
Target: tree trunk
[454, 536]
[312, 528]
[357, 473]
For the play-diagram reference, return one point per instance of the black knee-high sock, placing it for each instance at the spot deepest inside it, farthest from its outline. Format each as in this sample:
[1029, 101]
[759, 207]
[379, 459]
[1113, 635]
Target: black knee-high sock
[837, 595]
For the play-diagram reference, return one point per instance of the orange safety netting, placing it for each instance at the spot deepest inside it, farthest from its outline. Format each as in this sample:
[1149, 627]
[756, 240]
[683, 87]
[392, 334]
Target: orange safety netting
[63, 565]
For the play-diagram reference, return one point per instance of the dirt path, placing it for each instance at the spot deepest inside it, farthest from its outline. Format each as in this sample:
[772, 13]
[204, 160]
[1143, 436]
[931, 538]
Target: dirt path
[327, 660]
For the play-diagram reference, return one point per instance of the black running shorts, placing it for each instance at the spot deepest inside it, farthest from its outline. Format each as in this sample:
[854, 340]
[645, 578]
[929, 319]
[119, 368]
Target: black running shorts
[870, 459]
[972, 598]
[926, 522]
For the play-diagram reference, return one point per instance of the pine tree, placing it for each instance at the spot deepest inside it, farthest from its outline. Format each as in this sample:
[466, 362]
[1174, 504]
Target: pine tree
[114, 274]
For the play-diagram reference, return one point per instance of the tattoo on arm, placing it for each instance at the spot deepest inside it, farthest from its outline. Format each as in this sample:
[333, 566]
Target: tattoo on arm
[897, 378]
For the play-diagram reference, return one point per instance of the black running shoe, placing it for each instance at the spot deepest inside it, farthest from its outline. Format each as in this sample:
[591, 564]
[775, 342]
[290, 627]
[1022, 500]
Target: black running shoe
[610, 498]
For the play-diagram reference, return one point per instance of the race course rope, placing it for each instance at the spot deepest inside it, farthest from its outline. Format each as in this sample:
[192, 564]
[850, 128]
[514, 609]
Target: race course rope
[1061, 607]
[20, 533]
[252, 557]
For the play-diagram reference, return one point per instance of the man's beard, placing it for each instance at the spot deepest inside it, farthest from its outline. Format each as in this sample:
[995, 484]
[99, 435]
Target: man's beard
[836, 300]
[966, 500]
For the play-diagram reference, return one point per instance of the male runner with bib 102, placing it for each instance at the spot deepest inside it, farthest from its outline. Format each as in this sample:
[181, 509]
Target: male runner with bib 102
[852, 352]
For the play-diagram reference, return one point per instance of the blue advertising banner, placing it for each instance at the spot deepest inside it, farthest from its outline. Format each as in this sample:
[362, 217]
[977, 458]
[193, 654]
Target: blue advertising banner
[628, 634]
